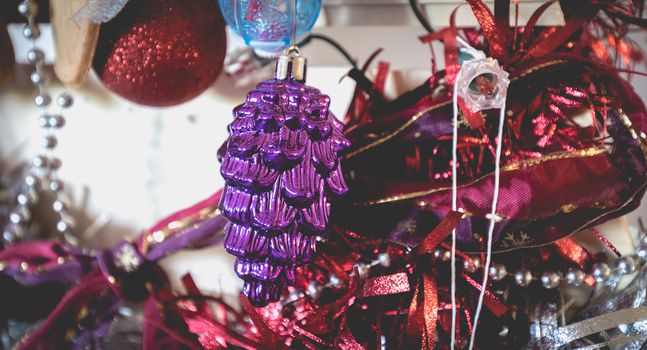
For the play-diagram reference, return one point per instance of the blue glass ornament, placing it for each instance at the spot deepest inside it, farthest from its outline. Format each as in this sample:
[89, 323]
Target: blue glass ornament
[267, 25]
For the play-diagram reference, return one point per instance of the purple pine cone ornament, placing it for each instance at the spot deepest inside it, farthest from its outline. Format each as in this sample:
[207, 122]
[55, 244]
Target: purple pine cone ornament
[281, 168]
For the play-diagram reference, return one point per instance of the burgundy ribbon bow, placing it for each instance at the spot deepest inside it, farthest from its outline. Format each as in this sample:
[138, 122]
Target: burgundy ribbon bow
[103, 281]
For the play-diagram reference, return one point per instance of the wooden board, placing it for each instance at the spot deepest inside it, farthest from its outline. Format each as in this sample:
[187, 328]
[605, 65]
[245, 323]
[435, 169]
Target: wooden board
[75, 42]
[7, 59]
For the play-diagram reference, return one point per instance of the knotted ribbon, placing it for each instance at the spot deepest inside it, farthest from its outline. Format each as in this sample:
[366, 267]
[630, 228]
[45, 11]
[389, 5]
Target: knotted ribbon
[102, 281]
[425, 305]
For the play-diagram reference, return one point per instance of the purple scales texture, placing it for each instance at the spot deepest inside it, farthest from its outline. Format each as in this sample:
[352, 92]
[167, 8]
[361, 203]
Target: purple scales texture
[281, 168]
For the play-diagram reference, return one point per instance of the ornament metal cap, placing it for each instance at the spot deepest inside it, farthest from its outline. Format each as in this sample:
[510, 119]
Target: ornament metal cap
[291, 64]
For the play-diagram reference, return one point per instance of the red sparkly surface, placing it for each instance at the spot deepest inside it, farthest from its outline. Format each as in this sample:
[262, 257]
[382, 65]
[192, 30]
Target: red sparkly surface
[162, 52]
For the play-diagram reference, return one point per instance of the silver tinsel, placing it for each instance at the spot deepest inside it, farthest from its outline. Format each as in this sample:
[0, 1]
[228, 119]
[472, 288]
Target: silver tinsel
[617, 309]
[542, 316]
[614, 317]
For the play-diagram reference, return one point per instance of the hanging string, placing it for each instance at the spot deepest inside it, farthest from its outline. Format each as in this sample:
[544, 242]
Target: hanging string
[466, 47]
[454, 205]
[495, 198]
[293, 23]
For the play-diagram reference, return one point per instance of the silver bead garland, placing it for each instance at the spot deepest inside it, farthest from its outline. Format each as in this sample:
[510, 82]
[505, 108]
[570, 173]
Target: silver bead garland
[600, 272]
[523, 278]
[626, 265]
[574, 277]
[497, 272]
[43, 173]
[550, 280]
[314, 288]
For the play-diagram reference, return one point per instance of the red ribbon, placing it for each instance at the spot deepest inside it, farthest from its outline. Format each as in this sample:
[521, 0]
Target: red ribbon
[499, 37]
[606, 242]
[212, 333]
[423, 310]
[310, 323]
[474, 119]
[550, 39]
[423, 314]
[385, 285]
[439, 233]
[267, 337]
[572, 251]
[532, 22]
[448, 36]
[52, 332]
[490, 300]
[452, 66]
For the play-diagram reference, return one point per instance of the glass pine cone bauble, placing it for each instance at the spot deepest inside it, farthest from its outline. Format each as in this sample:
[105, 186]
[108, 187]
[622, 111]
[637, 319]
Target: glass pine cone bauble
[281, 168]
[266, 25]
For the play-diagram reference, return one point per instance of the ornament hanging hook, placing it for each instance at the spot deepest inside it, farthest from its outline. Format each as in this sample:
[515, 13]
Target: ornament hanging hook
[291, 64]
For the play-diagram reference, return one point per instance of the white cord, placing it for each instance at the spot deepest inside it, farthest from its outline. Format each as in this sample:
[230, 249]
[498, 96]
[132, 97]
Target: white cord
[476, 54]
[454, 205]
[495, 199]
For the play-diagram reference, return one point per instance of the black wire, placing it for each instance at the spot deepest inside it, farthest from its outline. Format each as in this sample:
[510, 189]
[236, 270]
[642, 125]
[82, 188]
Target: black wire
[264, 60]
[422, 18]
[333, 43]
[355, 73]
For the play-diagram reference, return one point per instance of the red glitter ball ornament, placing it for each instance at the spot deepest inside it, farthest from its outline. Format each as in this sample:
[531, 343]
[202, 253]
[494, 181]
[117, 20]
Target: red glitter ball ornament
[162, 52]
